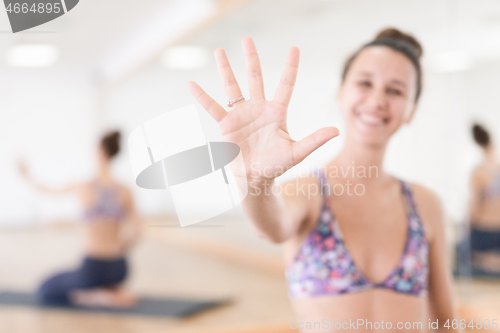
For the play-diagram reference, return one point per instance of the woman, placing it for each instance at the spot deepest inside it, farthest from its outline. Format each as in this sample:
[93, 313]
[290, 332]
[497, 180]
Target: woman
[485, 206]
[107, 207]
[389, 262]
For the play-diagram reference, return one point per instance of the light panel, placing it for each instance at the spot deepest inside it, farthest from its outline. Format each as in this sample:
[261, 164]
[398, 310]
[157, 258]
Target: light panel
[32, 55]
[185, 57]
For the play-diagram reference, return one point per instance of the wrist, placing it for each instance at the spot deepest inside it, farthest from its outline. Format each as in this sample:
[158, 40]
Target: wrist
[260, 185]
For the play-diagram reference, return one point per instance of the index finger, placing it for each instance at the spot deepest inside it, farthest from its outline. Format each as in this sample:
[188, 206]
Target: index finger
[212, 107]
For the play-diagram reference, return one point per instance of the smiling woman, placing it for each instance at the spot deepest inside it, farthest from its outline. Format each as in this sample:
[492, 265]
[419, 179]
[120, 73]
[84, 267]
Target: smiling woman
[381, 255]
[400, 82]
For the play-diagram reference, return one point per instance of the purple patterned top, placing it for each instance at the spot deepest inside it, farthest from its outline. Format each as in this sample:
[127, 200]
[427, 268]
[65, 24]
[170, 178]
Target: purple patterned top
[107, 205]
[323, 265]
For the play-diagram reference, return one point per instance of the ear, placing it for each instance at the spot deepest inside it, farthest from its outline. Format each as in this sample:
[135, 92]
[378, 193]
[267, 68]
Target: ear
[409, 115]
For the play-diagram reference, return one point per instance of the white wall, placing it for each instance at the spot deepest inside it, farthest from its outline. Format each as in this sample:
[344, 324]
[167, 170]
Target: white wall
[48, 115]
[47, 119]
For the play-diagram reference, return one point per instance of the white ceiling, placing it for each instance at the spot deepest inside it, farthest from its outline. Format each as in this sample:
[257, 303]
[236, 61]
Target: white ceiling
[337, 26]
[89, 31]
[97, 29]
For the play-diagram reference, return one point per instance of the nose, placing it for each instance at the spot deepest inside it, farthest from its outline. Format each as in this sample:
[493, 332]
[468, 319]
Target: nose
[377, 99]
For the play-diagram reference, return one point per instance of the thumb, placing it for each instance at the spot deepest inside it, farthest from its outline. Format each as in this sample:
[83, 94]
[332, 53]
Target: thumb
[304, 147]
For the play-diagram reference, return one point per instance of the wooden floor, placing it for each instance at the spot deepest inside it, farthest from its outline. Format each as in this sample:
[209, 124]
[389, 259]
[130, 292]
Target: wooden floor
[223, 260]
[479, 299]
[259, 299]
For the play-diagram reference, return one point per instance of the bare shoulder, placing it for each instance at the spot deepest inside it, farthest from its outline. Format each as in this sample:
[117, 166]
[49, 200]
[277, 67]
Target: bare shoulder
[425, 195]
[430, 209]
[84, 192]
[125, 191]
[124, 188]
[480, 176]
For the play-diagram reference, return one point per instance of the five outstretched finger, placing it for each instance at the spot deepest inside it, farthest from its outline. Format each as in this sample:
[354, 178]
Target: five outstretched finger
[287, 82]
[208, 103]
[304, 147]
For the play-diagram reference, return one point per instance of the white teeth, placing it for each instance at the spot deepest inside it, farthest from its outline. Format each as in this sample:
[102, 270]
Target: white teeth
[371, 119]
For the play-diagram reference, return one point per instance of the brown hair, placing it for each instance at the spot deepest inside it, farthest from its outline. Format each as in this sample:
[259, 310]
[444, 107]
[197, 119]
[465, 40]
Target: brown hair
[396, 41]
[110, 143]
[481, 135]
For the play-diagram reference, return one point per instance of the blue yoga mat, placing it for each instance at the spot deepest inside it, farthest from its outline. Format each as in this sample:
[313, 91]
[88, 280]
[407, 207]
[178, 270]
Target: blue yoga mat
[476, 272]
[178, 308]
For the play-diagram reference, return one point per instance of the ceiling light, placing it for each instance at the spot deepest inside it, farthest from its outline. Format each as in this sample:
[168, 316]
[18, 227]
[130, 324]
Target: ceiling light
[185, 57]
[32, 55]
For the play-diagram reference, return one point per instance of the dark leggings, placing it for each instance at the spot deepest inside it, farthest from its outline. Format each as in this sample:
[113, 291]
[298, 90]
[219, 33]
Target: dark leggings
[484, 240]
[93, 273]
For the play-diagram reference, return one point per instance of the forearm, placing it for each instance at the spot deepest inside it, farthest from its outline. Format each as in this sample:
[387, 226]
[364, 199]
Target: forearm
[129, 242]
[43, 188]
[136, 232]
[442, 300]
[266, 208]
[473, 210]
[451, 320]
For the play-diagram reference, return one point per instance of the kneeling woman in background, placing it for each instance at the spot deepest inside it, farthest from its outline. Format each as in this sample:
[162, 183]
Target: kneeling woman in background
[485, 206]
[107, 206]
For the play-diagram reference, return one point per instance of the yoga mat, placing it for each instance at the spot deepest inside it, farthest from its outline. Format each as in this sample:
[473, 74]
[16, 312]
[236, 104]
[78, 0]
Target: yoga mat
[476, 272]
[177, 308]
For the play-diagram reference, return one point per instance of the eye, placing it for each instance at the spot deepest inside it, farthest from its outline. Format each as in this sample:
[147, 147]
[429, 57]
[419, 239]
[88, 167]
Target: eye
[393, 91]
[364, 83]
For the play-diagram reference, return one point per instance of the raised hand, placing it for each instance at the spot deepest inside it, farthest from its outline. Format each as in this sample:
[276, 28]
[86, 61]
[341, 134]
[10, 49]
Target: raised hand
[259, 126]
[22, 168]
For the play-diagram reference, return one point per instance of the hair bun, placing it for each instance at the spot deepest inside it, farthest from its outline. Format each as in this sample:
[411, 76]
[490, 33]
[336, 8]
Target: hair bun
[481, 135]
[111, 143]
[398, 35]
[116, 135]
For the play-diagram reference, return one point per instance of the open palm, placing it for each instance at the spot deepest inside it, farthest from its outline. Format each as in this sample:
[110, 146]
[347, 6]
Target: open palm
[259, 126]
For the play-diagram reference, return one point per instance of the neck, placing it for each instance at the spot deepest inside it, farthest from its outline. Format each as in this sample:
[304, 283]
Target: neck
[361, 157]
[103, 173]
[489, 155]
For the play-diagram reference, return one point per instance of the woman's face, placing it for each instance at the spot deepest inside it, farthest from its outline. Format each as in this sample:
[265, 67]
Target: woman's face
[377, 95]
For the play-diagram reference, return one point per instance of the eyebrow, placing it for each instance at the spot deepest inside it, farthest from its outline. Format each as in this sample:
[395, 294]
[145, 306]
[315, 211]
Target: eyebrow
[399, 82]
[395, 81]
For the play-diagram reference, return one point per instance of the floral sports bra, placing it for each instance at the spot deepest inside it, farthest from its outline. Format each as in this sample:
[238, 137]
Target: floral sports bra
[323, 265]
[107, 206]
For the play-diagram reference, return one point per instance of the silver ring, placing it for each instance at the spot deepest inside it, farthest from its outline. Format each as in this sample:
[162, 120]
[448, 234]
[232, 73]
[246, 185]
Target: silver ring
[232, 101]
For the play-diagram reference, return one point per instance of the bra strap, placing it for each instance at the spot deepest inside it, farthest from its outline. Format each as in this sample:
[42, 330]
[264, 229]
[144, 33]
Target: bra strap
[323, 183]
[409, 199]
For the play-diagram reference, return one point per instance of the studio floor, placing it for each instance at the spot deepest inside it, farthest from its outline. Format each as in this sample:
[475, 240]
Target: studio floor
[208, 262]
